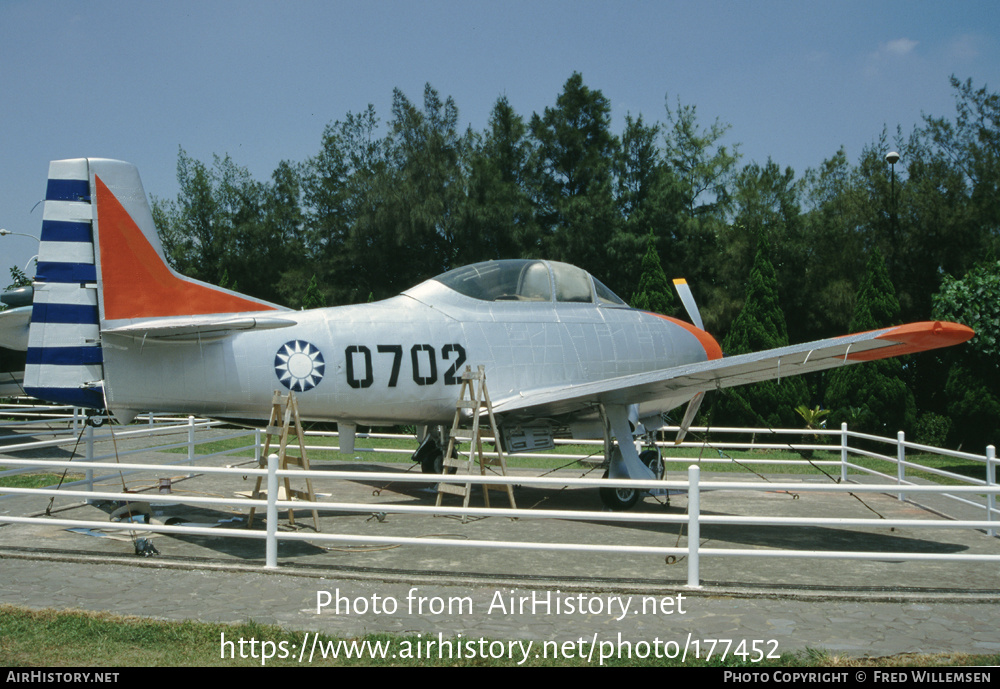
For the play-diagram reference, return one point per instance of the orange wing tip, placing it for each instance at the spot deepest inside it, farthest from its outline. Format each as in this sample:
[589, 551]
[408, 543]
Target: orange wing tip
[917, 337]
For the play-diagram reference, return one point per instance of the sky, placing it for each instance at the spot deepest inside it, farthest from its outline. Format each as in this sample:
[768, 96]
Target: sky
[259, 81]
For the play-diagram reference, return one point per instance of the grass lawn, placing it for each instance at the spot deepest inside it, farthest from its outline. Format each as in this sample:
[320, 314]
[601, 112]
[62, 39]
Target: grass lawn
[36, 480]
[48, 638]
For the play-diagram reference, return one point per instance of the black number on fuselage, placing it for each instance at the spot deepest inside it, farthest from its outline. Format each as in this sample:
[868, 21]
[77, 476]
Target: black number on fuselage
[397, 358]
[423, 363]
[431, 378]
[452, 375]
[353, 380]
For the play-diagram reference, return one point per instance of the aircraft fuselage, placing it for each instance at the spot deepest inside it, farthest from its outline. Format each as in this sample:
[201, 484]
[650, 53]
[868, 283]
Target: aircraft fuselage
[395, 361]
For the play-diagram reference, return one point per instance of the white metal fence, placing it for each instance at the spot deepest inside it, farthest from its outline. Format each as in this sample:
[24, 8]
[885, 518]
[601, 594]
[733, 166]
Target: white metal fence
[977, 493]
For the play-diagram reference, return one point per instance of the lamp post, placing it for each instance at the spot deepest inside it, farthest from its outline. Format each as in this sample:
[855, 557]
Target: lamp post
[5, 232]
[892, 158]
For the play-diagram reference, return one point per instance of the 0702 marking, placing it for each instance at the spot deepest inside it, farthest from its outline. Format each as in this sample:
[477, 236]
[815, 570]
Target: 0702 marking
[360, 370]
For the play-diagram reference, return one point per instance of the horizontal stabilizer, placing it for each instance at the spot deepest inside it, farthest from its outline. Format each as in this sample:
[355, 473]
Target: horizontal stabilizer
[14, 328]
[196, 329]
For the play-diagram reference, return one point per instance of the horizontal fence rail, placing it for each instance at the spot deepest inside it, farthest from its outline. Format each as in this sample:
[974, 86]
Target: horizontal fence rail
[978, 493]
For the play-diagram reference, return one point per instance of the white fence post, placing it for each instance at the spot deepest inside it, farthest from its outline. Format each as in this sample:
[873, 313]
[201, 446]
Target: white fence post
[694, 528]
[271, 551]
[991, 481]
[89, 433]
[843, 452]
[900, 459]
[256, 447]
[190, 439]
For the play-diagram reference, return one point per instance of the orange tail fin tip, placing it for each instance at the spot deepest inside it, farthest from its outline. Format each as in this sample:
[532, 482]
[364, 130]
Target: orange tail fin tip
[136, 281]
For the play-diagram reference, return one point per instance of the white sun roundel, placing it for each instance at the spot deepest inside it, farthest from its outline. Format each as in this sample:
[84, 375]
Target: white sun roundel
[299, 365]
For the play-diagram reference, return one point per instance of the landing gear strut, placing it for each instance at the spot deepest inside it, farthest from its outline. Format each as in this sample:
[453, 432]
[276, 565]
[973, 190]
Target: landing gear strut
[620, 499]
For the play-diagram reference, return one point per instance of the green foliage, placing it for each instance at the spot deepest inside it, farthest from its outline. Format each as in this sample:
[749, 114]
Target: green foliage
[704, 166]
[974, 301]
[498, 219]
[655, 293]
[933, 429]
[313, 298]
[226, 227]
[573, 160]
[973, 384]
[701, 169]
[835, 239]
[873, 396]
[761, 322]
[344, 188]
[760, 325]
[421, 215]
[766, 203]
[813, 417]
[974, 407]
[18, 278]
[970, 148]
[649, 203]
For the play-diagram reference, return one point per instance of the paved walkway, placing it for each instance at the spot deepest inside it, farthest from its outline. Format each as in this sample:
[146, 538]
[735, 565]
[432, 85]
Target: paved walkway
[872, 608]
[852, 626]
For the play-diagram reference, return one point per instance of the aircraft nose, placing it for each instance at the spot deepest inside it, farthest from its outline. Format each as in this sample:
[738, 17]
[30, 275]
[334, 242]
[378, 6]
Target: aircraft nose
[708, 343]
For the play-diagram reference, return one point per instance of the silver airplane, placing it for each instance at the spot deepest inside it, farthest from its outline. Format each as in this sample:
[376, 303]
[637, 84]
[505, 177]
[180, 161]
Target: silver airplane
[113, 327]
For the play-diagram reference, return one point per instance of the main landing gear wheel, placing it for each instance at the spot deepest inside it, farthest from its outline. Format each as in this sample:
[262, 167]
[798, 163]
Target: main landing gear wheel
[621, 499]
[618, 499]
[430, 455]
[433, 464]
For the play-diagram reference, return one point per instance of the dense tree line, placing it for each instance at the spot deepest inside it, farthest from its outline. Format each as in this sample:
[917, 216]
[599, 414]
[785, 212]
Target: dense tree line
[382, 206]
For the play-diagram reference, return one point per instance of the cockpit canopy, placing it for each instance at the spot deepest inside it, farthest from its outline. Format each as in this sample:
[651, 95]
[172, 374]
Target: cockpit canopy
[528, 280]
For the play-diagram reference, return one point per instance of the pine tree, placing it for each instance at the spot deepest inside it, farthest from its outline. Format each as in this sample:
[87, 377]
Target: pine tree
[873, 397]
[574, 156]
[313, 298]
[760, 325]
[654, 293]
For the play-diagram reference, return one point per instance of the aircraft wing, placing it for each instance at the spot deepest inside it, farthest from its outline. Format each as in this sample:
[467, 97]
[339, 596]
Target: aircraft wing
[668, 388]
[196, 328]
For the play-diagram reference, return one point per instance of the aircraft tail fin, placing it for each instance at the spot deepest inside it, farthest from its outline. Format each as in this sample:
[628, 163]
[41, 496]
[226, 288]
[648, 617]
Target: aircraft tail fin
[101, 265]
[64, 359]
[134, 279]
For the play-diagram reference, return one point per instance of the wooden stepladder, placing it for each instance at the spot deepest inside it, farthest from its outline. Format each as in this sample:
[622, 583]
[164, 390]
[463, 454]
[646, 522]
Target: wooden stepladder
[474, 399]
[285, 410]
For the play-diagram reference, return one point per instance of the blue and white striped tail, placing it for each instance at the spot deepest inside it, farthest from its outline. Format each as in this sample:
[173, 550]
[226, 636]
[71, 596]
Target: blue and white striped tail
[65, 363]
